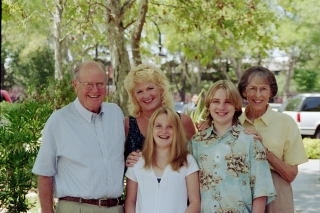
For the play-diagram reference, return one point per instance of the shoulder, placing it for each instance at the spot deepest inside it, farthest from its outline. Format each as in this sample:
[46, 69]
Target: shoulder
[111, 108]
[243, 135]
[108, 105]
[61, 117]
[139, 164]
[202, 135]
[280, 117]
[192, 164]
[191, 159]
[185, 117]
[62, 112]
[245, 138]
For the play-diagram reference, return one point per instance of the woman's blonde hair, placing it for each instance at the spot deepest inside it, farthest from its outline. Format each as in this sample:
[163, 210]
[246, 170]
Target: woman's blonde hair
[232, 94]
[178, 151]
[145, 73]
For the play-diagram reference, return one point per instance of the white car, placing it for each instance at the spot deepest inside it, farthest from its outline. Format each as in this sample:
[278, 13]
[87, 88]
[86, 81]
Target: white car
[305, 110]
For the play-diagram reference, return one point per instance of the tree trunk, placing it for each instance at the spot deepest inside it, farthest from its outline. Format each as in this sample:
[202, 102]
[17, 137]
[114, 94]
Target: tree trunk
[57, 44]
[289, 76]
[119, 54]
[136, 36]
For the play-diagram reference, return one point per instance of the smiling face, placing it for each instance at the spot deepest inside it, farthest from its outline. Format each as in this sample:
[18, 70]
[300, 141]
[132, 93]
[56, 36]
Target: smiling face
[258, 93]
[90, 86]
[221, 108]
[148, 96]
[163, 131]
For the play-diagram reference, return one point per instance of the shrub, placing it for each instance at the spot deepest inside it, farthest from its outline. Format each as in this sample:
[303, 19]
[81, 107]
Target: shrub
[312, 147]
[20, 129]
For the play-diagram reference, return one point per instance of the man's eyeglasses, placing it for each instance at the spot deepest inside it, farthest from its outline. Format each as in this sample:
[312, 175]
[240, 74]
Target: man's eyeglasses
[90, 85]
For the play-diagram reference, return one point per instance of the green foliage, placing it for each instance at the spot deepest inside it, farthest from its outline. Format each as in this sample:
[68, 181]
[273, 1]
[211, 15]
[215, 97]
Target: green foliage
[197, 114]
[20, 129]
[307, 80]
[312, 147]
[35, 71]
[60, 91]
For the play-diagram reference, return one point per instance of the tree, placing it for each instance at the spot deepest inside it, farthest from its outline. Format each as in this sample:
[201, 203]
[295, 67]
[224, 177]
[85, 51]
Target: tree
[299, 35]
[213, 37]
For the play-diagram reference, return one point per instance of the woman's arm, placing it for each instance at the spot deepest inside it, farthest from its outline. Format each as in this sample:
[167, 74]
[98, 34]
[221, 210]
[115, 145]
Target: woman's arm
[188, 126]
[287, 172]
[193, 187]
[259, 204]
[131, 196]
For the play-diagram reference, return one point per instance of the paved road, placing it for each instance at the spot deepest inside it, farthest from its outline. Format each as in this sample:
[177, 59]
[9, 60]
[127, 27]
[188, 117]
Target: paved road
[306, 188]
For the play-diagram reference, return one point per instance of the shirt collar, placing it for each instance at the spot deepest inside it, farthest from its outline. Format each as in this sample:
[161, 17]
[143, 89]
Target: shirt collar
[265, 118]
[86, 114]
[210, 132]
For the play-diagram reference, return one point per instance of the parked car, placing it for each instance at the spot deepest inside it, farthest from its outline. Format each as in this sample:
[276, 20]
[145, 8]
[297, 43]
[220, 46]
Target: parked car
[305, 110]
[275, 106]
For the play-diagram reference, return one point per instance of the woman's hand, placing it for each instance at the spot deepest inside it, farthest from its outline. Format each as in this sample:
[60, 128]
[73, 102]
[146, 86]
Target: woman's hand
[252, 131]
[202, 125]
[132, 158]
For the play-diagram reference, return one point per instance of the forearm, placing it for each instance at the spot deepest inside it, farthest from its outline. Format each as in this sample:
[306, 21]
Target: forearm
[129, 207]
[193, 188]
[131, 196]
[193, 208]
[287, 172]
[45, 190]
[259, 204]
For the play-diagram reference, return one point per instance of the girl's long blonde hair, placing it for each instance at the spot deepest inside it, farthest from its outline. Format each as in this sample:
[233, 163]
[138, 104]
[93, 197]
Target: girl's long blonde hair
[179, 149]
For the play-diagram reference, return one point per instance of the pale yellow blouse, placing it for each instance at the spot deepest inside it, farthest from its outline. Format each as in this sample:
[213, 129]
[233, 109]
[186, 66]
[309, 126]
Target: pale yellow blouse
[280, 135]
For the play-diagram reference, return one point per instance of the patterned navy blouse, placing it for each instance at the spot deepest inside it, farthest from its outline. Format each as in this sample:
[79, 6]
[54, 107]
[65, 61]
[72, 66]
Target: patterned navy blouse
[134, 139]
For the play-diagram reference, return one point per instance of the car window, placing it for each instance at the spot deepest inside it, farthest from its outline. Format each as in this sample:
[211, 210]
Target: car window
[311, 104]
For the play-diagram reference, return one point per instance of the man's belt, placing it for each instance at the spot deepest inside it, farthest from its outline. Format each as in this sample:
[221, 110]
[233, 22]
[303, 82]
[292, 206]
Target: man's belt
[110, 202]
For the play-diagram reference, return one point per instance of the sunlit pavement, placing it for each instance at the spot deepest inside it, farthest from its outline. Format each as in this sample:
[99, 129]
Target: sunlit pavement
[306, 188]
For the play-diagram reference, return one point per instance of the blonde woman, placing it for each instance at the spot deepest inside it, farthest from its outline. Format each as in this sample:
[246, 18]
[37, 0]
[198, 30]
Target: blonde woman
[148, 89]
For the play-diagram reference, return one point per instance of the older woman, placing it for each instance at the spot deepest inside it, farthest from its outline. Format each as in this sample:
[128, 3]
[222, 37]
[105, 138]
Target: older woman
[281, 136]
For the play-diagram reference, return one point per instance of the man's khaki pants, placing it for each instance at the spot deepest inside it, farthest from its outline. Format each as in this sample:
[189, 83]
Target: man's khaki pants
[73, 207]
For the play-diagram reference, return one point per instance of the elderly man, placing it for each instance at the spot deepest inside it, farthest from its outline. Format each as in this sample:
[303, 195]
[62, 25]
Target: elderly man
[80, 161]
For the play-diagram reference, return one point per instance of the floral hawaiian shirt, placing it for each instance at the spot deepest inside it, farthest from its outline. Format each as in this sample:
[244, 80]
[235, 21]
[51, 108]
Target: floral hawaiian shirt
[233, 170]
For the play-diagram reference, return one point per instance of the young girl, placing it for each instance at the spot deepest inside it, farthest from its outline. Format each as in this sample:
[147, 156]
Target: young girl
[165, 178]
[234, 172]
